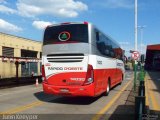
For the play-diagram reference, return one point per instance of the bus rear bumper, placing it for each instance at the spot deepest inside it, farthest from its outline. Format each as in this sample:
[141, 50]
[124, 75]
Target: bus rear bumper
[87, 90]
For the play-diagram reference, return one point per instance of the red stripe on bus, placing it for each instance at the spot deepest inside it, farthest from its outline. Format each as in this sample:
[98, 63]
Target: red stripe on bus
[63, 81]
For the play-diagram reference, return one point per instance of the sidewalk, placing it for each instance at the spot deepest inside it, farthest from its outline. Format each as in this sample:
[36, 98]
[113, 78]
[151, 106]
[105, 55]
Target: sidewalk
[126, 111]
[153, 92]
[124, 107]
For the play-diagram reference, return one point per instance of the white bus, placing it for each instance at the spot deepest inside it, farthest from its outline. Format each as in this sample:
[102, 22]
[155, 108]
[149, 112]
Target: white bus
[79, 60]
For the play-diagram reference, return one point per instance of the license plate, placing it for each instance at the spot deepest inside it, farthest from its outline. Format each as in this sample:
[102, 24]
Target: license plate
[64, 90]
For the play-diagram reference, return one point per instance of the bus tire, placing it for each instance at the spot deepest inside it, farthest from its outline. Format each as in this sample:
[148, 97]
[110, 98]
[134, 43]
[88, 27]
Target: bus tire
[106, 93]
[121, 80]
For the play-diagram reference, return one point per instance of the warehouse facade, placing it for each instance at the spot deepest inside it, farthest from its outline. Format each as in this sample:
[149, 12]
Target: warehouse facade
[24, 51]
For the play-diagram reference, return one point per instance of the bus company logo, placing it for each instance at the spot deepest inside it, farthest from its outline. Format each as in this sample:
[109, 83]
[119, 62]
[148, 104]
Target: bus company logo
[55, 68]
[64, 36]
[77, 79]
[65, 68]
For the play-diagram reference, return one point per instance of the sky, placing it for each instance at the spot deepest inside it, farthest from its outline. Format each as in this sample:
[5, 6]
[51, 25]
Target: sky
[28, 18]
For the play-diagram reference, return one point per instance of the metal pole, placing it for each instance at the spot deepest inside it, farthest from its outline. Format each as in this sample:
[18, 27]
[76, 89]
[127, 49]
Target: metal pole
[141, 39]
[141, 31]
[135, 75]
[135, 46]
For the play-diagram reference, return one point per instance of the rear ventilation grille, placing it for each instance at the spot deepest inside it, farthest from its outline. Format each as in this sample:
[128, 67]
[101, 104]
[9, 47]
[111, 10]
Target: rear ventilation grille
[65, 57]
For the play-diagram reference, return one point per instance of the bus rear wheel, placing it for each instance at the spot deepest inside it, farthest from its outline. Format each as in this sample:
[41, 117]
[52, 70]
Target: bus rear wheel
[106, 93]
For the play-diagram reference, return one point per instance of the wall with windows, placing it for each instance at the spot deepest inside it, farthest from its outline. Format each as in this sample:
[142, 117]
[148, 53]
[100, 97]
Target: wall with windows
[13, 46]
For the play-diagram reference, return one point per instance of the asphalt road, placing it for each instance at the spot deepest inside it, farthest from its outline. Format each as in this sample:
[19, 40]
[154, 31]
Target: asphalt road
[31, 100]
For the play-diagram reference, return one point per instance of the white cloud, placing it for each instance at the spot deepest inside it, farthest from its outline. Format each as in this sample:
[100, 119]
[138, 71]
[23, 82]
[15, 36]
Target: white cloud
[8, 27]
[142, 48]
[5, 9]
[118, 3]
[124, 43]
[41, 24]
[127, 46]
[60, 8]
[57, 8]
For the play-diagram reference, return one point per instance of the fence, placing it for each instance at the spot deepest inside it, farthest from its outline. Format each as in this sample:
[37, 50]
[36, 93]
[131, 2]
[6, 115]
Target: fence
[140, 99]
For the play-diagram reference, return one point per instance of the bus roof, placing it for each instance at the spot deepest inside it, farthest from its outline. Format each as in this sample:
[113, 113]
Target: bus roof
[68, 23]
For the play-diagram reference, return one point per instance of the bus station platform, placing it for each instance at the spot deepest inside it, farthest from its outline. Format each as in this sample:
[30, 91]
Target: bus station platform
[152, 79]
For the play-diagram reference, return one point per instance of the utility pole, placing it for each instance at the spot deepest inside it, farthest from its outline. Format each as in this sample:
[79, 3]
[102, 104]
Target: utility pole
[141, 31]
[135, 46]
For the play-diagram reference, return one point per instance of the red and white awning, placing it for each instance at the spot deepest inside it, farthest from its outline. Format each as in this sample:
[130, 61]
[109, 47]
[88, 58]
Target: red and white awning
[19, 59]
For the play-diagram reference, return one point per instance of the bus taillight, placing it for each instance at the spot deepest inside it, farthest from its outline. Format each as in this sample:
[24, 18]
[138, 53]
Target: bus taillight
[43, 75]
[89, 76]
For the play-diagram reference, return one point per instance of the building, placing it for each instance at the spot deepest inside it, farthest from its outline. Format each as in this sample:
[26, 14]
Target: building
[152, 61]
[27, 52]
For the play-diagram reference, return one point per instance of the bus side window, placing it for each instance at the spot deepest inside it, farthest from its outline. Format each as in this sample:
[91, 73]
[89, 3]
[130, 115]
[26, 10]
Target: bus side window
[97, 36]
[110, 47]
[100, 43]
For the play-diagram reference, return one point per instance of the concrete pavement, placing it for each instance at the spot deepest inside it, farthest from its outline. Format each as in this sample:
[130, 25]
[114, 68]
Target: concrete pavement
[153, 91]
[31, 100]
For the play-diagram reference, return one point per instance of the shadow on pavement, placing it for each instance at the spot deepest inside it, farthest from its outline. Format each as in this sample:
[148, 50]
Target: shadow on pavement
[42, 96]
[65, 100]
[123, 112]
[126, 111]
[75, 100]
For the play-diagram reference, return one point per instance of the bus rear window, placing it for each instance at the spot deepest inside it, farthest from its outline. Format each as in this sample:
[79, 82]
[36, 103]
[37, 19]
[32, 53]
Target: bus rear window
[66, 33]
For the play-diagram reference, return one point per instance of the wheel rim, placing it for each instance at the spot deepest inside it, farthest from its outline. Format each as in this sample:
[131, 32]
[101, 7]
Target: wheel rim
[108, 88]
